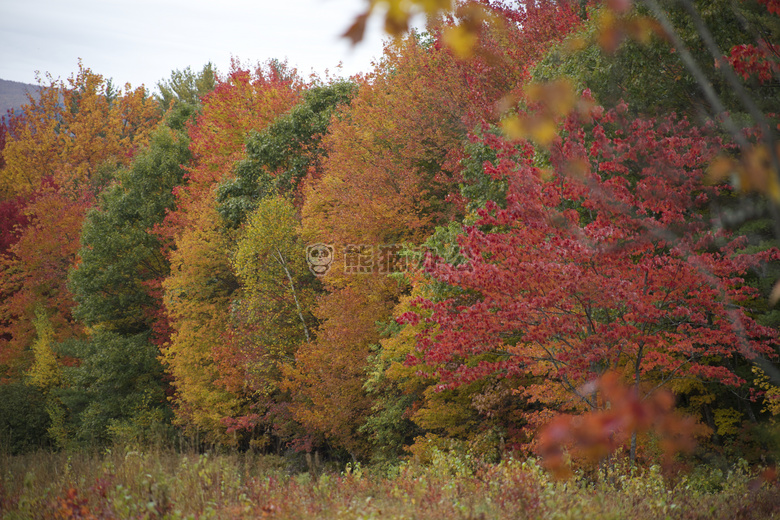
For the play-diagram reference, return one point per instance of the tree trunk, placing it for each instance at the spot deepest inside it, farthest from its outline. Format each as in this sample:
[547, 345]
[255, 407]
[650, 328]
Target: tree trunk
[281, 261]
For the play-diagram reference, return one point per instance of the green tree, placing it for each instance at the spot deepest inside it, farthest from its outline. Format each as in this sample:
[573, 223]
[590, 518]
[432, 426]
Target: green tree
[24, 422]
[115, 393]
[117, 286]
[271, 315]
[121, 256]
[281, 156]
[650, 75]
[181, 94]
[185, 86]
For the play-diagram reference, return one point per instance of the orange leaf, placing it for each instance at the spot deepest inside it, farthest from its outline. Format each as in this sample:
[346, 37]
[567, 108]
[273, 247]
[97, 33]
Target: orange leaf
[609, 33]
[642, 29]
[720, 168]
[357, 29]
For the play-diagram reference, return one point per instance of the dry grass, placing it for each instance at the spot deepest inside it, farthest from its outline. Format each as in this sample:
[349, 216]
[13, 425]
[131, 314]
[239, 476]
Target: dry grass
[169, 485]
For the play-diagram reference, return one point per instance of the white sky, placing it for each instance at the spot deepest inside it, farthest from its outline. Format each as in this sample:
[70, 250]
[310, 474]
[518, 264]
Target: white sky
[142, 41]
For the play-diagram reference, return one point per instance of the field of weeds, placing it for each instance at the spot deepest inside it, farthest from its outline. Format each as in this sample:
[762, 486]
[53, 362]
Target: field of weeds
[132, 484]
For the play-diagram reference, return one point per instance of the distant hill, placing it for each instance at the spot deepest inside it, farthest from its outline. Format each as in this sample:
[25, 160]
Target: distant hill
[13, 95]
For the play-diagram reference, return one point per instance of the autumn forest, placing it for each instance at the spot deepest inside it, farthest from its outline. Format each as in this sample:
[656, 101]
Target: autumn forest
[540, 233]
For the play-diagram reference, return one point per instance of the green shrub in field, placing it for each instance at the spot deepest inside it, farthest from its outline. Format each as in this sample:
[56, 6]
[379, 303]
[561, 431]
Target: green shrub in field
[23, 418]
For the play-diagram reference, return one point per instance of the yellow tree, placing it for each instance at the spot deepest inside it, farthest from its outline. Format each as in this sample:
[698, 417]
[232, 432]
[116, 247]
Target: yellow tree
[276, 284]
[74, 127]
[45, 371]
[198, 293]
[200, 287]
[271, 316]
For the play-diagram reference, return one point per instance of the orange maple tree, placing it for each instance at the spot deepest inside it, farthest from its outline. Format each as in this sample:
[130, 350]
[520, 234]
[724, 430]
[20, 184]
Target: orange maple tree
[57, 156]
[73, 127]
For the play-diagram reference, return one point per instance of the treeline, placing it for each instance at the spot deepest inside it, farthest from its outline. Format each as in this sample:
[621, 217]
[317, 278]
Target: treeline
[446, 251]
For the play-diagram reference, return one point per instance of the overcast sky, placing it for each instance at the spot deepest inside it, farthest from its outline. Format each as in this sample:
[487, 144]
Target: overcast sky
[142, 41]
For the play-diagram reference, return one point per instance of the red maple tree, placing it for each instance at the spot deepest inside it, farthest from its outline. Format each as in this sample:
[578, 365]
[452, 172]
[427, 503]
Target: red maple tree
[605, 261]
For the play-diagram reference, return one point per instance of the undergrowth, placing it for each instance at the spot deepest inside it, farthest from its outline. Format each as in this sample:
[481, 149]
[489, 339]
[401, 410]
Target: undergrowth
[132, 484]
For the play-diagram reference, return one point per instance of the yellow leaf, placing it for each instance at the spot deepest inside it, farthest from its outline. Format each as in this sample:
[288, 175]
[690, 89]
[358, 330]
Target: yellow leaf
[606, 19]
[557, 97]
[727, 420]
[513, 127]
[543, 131]
[774, 188]
[435, 6]
[575, 44]
[756, 170]
[535, 91]
[771, 392]
[461, 40]
[397, 17]
[608, 30]
[540, 129]
[642, 29]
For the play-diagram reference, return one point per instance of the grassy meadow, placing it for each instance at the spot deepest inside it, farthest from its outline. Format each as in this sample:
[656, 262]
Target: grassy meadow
[132, 484]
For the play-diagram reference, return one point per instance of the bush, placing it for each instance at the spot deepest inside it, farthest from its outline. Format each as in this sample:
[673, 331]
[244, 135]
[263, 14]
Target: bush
[23, 419]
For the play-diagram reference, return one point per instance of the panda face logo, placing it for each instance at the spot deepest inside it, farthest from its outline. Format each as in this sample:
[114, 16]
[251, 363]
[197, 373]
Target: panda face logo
[319, 257]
